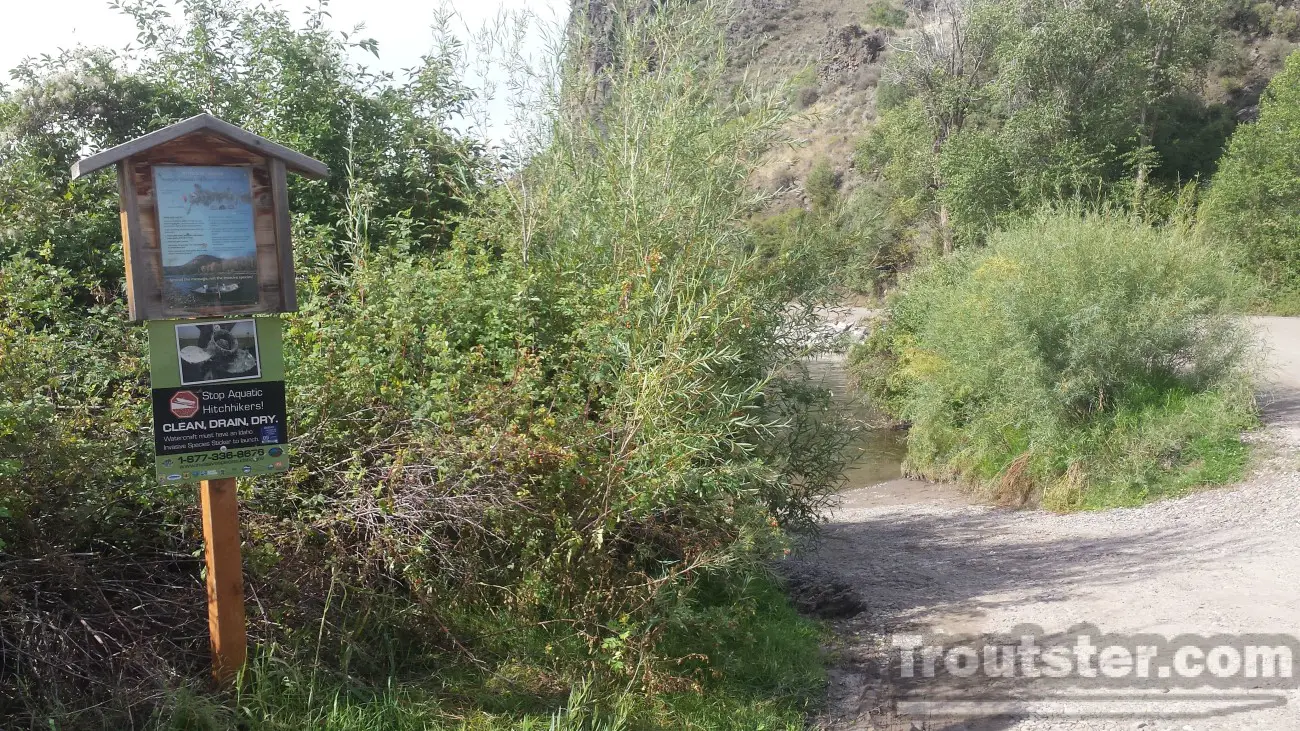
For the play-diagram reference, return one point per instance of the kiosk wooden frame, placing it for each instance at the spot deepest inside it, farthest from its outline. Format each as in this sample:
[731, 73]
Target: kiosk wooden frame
[204, 140]
[199, 150]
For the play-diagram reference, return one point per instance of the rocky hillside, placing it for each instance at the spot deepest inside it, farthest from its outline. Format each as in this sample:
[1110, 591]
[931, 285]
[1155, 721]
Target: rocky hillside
[831, 55]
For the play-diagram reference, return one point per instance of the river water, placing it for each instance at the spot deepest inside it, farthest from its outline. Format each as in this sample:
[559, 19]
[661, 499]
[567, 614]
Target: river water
[874, 476]
[876, 454]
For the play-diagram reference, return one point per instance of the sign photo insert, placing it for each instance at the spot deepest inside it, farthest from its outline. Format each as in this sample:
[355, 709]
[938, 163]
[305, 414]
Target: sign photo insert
[214, 352]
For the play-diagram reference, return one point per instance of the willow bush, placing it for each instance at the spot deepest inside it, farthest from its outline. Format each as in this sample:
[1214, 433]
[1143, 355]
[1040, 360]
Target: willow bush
[1081, 359]
[571, 416]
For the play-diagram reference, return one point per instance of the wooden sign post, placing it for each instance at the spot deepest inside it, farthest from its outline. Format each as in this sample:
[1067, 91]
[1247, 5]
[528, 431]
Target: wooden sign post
[205, 234]
[226, 622]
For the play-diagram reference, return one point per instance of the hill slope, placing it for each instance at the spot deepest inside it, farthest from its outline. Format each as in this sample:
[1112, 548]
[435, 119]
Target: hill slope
[832, 55]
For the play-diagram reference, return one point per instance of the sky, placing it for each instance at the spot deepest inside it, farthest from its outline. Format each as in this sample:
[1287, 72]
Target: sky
[400, 26]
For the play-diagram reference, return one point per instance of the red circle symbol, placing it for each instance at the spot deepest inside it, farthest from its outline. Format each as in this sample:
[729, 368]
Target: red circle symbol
[184, 404]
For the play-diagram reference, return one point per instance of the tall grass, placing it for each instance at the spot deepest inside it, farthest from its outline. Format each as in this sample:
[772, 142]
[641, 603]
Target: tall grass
[1081, 359]
[758, 668]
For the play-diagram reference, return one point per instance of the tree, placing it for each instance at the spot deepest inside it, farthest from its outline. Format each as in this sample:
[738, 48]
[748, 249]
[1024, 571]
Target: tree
[1051, 99]
[946, 65]
[1254, 203]
[254, 68]
[1104, 68]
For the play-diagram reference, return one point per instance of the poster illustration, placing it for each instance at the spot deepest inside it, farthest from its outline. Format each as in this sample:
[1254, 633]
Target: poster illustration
[205, 227]
[218, 398]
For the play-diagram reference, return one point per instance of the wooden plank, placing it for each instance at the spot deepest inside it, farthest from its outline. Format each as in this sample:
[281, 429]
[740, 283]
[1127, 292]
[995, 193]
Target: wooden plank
[226, 621]
[143, 290]
[202, 148]
[296, 161]
[148, 261]
[124, 194]
[88, 165]
[283, 232]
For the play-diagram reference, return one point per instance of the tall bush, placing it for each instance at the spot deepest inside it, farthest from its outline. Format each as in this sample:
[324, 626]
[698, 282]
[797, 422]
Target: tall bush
[1081, 359]
[574, 415]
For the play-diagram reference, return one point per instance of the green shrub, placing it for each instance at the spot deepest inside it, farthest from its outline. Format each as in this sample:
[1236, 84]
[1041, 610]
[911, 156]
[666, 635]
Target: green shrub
[1191, 139]
[1253, 206]
[782, 240]
[71, 395]
[1247, 16]
[1264, 12]
[980, 187]
[898, 151]
[847, 249]
[1286, 23]
[822, 185]
[1081, 359]
[890, 94]
[887, 14]
[869, 254]
[803, 90]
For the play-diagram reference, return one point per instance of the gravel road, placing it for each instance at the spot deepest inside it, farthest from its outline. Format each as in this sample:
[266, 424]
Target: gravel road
[926, 560]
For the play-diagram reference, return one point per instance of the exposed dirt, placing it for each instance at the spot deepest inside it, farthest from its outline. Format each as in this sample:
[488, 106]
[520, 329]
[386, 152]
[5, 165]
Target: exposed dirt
[926, 558]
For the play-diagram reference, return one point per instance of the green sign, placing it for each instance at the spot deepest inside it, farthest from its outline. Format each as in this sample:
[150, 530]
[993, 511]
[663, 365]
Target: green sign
[218, 398]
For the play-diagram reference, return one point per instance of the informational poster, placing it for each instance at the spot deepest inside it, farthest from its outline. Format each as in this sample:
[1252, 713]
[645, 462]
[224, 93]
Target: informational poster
[218, 398]
[206, 232]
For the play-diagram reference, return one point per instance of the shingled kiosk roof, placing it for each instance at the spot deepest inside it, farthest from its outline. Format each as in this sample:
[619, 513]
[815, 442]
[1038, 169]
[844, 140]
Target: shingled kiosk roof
[295, 161]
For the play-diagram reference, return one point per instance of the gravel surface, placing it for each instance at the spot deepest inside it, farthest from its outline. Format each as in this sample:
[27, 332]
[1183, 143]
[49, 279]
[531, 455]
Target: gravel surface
[927, 560]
